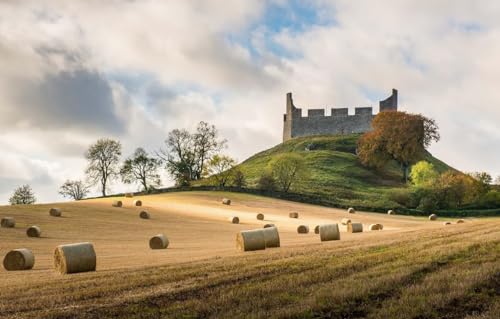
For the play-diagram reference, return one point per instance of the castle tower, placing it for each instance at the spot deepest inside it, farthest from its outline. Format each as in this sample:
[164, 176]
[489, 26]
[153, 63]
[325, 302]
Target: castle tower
[291, 110]
[339, 122]
[391, 103]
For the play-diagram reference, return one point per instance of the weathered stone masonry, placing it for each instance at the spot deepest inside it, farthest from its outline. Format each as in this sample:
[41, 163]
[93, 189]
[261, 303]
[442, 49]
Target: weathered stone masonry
[339, 122]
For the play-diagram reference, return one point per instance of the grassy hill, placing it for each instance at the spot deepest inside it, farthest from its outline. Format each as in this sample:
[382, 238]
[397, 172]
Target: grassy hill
[334, 172]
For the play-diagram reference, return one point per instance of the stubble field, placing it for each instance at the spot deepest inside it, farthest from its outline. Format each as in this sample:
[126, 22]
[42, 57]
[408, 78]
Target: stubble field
[414, 268]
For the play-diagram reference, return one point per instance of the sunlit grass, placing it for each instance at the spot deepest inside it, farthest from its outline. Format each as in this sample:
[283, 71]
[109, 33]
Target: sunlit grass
[450, 272]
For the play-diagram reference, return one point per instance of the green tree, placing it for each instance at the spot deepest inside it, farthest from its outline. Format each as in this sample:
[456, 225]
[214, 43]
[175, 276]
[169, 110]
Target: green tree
[103, 158]
[484, 181]
[141, 168]
[423, 174]
[23, 195]
[399, 136]
[239, 179]
[74, 189]
[220, 167]
[453, 189]
[497, 180]
[179, 156]
[206, 144]
[490, 199]
[287, 169]
[186, 154]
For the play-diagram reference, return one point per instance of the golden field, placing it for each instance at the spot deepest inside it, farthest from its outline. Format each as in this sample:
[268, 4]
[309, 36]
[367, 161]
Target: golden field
[413, 268]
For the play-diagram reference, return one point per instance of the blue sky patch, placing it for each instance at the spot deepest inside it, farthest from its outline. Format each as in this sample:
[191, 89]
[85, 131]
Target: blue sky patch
[293, 16]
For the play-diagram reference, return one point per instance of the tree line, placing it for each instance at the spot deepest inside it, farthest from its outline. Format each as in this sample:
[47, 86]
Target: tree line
[191, 156]
[186, 156]
[404, 138]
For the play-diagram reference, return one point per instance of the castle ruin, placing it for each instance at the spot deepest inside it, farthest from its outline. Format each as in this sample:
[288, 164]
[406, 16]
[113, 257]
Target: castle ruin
[339, 122]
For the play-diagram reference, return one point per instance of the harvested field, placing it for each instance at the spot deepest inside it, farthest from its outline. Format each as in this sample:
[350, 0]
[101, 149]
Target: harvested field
[408, 270]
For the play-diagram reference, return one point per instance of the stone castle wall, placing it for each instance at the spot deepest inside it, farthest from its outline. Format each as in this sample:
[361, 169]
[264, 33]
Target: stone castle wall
[339, 122]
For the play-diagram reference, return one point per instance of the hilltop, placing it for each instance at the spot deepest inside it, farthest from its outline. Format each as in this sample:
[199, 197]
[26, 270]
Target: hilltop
[335, 175]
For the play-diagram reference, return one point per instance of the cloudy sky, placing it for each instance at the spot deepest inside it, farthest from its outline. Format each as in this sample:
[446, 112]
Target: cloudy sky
[74, 71]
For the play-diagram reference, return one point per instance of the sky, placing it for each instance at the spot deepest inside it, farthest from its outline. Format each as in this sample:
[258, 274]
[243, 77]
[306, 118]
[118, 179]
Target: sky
[72, 72]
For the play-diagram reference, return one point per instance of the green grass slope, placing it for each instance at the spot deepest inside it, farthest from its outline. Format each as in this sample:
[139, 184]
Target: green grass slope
[335, 173]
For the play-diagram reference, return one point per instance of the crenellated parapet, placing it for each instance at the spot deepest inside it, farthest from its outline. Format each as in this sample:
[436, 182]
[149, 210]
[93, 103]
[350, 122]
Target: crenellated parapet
[338, 122]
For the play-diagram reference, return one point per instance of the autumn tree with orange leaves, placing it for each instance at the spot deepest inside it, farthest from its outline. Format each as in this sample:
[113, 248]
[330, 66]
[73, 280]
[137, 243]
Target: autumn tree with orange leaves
[398, 136]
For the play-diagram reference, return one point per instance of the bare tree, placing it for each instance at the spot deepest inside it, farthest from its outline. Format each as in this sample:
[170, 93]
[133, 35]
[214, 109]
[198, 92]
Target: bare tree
[23, 195]
[74, 189]
[103, 158]
[141, 168]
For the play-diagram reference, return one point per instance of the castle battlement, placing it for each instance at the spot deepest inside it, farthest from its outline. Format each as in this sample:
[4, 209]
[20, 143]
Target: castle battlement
[338, 122]
[336, 112]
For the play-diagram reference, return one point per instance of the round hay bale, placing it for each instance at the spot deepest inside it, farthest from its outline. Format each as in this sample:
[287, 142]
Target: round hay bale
[55, 212]
[74, 258]
[226, 201]
[351, 210]
[355, 228]
[303, 229]
[460, 221]
[249, 240]
[34, 231]
[260, 216]
[159, 241]
[329, 232]
[137, 202]
[117, 203]
[144, 215]
[271, 237]
[234, 220]
[8, 222]
[391, 212]
[433, 217]
[19, 259]
[293, 215]
[447, 223]
[129, 195]
[376, 227]
[316, 229]
[345, 221]
[269, 225]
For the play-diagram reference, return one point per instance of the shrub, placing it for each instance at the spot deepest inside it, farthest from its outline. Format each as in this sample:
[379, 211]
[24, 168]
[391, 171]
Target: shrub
[267, 182]
[429, 203]
[490, 200]
[402, 197]
[423, 174]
